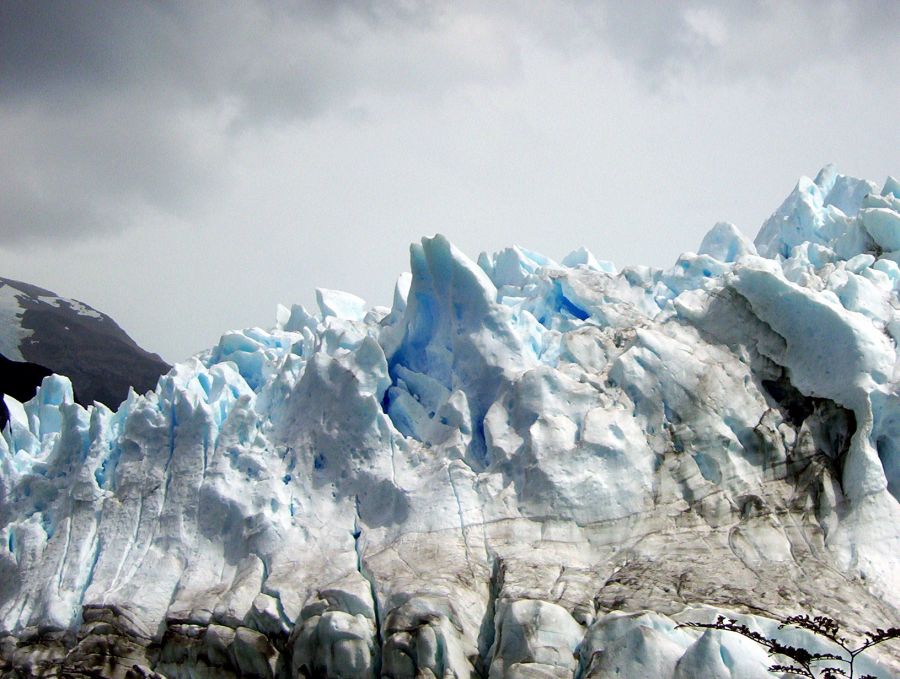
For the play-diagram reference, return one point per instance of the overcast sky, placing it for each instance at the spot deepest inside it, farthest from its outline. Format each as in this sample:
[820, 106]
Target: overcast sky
[184, 167]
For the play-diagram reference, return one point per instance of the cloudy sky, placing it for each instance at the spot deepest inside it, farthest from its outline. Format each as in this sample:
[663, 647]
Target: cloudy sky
[186, 166]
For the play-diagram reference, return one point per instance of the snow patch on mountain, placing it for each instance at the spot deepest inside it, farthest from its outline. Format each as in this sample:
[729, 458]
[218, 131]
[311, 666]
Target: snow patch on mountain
[75, 305]
[11, 319]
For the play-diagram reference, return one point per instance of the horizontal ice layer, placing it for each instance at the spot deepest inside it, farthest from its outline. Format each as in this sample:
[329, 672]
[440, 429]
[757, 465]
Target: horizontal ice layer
[523, 468]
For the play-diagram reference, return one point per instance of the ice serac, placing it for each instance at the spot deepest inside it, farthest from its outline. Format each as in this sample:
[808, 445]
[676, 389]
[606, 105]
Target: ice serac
[459, 347]
[523, 468]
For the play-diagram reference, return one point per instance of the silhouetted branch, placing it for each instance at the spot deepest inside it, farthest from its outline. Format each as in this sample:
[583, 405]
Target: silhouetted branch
[802, 658]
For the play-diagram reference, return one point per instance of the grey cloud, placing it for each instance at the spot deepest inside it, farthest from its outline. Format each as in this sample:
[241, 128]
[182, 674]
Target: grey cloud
[667, 42]
[97, 168]
[302, 57]
[111, 109]
[66, 48]
[299, 57]
[675, 43]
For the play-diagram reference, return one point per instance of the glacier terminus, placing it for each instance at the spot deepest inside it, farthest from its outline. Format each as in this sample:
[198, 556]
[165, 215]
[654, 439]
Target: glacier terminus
[521, 469]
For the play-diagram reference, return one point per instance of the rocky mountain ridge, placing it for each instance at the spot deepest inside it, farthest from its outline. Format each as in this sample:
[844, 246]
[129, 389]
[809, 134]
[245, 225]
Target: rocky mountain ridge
[73, 339]
[43, 333]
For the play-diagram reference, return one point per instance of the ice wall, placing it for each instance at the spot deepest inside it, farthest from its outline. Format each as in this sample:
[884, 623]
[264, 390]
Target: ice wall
[522, 468]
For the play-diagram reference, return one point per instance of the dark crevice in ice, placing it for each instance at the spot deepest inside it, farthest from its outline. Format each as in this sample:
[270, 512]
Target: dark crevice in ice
[790, 401]
[360, 566]
[488, 625]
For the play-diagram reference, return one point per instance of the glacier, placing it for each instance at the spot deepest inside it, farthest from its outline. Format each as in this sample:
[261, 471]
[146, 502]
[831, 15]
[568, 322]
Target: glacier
[522, 468]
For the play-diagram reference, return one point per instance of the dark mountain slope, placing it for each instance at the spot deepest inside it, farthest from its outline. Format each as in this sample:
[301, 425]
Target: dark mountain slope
[67, 337]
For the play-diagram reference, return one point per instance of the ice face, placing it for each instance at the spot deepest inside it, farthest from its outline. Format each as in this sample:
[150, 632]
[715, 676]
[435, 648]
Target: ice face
[523, 468]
